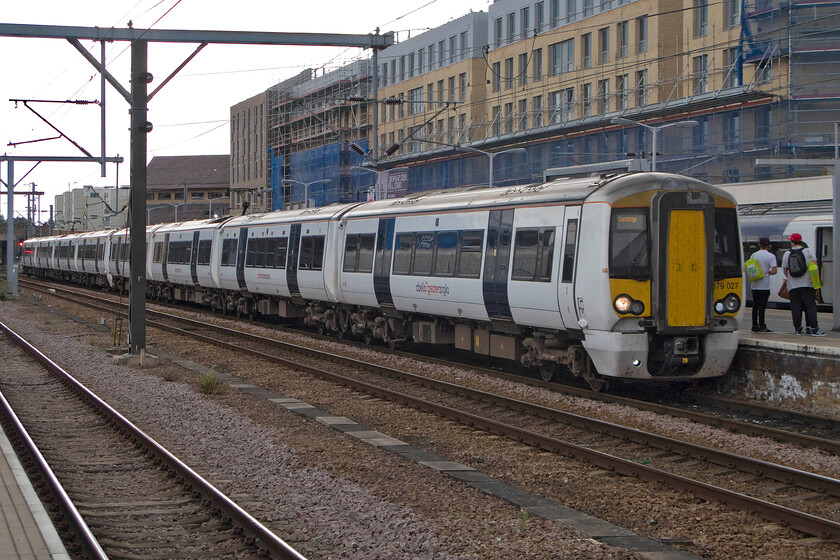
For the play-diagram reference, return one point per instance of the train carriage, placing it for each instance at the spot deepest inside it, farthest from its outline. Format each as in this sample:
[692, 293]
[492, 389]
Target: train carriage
[178, 260]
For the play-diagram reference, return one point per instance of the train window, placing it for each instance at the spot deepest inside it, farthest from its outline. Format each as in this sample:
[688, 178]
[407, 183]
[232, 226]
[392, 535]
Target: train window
[251, 252]
[403, 246]
[311, 252]
[525, 252]
[424, 245]
[270, 252]
[546, 255]
[205, 247]
[281, 243]
[351, 252]
[629, 244]
[367, 244]
[446, 254]
[100, 251]
[157, 256]
[469, 254]
[229, 248]
[726, 246]
[569, 250]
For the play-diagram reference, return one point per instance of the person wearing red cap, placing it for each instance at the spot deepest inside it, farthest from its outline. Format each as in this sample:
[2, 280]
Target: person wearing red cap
[803, 296]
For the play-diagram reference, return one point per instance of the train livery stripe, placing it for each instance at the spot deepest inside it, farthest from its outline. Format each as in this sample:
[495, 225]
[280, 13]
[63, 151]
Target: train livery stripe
[382, 266]
[194, 258]
[240, 259]
[165, 257]
[686, 269]
[497, 257]
[292, 259]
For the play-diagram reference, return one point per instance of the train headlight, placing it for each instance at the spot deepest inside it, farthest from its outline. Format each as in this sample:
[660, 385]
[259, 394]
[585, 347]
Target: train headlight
[624, 304]
[729, 304]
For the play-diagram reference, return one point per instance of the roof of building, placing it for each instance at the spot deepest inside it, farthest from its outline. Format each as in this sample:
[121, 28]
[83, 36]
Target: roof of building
[196, 172]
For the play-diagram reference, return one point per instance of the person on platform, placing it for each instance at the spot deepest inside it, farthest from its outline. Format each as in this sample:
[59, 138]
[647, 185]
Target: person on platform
[761, 287]
[803, 296]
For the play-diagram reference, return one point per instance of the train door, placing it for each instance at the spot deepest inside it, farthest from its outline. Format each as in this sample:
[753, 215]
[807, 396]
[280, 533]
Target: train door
[194, 258]
[495, 283]
[292, 259]
[382, 264]
[566, 274]
[825, 257]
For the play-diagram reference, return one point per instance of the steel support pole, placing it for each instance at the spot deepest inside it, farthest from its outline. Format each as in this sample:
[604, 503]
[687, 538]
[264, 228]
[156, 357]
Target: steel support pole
[374, 145]
[835, 240]
[655, 132]
[137, 232]
[490, 179]
[11, 269]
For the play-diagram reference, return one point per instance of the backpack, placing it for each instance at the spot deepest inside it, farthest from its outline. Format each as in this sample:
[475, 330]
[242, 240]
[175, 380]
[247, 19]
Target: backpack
[797, 266]
[754, 272]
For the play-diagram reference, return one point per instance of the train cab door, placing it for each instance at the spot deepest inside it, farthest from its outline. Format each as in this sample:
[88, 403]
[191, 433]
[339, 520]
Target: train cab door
[825, 258]
[566, 274]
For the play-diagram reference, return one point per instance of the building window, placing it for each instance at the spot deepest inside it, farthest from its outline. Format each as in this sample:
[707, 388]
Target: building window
[451, 83]
[394, 71]
[509, 73]
[701, 18]
[732, 12]
[641, 35]
[700, 67]
[623, 39]
[537, 107]
[571, 10]
[603, 96]
[538, 65]
[699, 135]
[523, 114]
[421, 61]
[764, 71]
[562, 56]
[587, 8]
[441, 54]
[496, 70]
[508, 118]
[465, 45]
[462, 82]
[539, 16]
[402, 68]
[497, 120]
[560, 105]
[511, 27]
[586, 47]
[523, 69]
[431, 50]
[524, 21]
[453, 49]
[732, 130]
[555, 13]
[497, 32]
[731, 59]
[464, 129]
[621, 91]
[587, 99]
[411, 65]
[641, 88]
[762, 125]
[604, 44]
[415, 101]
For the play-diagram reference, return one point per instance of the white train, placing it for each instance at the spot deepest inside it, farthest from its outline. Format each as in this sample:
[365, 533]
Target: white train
[633, 276]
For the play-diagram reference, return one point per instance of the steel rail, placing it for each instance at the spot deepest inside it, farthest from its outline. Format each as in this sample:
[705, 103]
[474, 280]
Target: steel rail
[738, 426]
[801, 521]
[80, 534]
[267, 539]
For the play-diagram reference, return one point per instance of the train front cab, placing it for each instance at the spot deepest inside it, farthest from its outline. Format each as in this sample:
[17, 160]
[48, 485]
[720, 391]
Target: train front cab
[675, 285]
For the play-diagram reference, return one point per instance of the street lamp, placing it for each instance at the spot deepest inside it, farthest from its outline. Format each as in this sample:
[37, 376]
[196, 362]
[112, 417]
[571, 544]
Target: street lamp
[210, 207]
[161, 205]
[305, 186]
[654, 132]
[378, 172]
[491, 155]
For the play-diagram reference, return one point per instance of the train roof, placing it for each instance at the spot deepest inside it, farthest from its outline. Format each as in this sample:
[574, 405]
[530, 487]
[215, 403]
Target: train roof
[320, 213]
[191, 225]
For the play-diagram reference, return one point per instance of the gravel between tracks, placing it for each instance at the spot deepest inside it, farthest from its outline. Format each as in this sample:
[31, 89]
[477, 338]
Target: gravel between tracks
[370, 504]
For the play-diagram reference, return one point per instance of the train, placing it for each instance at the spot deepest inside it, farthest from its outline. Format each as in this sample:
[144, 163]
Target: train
[617, 278]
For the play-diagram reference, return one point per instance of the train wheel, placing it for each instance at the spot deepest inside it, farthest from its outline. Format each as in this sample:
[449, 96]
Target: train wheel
[547, 371]
[342, 323]
[598, 384]
[252, 311]
[367, 336]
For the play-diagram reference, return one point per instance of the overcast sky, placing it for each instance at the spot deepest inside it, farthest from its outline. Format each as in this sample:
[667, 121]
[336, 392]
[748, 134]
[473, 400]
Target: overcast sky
[190, 114]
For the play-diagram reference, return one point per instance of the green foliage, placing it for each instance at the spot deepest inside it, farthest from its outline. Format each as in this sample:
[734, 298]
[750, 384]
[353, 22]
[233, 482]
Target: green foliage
[209, 385]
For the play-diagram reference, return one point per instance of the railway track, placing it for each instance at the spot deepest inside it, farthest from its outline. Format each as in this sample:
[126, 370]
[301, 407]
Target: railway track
[804, 501]
[773, 423]
[120, 493]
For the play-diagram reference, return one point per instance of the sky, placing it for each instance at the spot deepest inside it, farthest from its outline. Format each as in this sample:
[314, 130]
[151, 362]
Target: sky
[190, 114]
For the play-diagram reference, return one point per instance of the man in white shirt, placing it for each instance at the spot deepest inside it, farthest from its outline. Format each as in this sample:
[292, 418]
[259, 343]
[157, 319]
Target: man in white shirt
[761, 288]
[803, 296]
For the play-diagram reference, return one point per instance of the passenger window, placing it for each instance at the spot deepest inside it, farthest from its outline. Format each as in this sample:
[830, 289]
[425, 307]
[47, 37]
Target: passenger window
[351, 247]
[525, 252]
[366, 249]
[282, 244]
[569, 251]
[229, 247]
[629, 244]
[546, 255]
[469, 255]
[446, 254]
[402, 253]
[424, 245]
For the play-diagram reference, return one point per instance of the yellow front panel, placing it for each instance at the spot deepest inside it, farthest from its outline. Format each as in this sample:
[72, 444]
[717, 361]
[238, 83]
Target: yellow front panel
[686, 269]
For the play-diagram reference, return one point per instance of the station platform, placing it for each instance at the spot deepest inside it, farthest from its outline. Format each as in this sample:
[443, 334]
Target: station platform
[780, 322]
[26, 531]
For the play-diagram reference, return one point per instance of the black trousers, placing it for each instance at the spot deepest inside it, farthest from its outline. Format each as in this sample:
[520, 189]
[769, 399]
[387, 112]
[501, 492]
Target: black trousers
[804, 299]
[759, 306]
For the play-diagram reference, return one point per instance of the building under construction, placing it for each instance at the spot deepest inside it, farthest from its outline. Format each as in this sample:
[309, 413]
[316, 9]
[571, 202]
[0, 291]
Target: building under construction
[715, 86]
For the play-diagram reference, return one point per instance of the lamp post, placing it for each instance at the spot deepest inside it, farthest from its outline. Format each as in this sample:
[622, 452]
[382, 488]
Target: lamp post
[161, 205]
[492, 156]
[305, 186]
[210, 207]
[655, 131]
